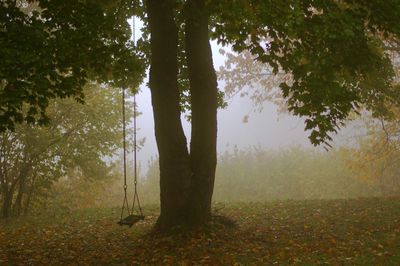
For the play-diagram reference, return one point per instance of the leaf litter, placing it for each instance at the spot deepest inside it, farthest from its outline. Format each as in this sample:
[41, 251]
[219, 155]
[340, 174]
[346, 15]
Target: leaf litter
[317, 232]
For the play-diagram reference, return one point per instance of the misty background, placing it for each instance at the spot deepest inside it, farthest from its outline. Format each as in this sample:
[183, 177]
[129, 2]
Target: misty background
[267, 128]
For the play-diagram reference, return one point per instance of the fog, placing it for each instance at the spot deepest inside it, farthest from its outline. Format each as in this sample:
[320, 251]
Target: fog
[267, 128]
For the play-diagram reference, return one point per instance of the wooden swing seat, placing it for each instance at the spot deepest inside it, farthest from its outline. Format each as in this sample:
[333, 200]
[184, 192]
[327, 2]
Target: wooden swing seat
[130, 220]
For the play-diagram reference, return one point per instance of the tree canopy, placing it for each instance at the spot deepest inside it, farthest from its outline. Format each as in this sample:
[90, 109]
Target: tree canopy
[334, 45]
[333, 50]
[51, 49]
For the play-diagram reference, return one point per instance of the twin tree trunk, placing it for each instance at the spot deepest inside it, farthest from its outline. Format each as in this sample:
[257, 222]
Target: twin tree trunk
[186, 179]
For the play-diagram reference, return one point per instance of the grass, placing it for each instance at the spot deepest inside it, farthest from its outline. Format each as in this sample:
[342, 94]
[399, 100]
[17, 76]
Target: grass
[312, 232]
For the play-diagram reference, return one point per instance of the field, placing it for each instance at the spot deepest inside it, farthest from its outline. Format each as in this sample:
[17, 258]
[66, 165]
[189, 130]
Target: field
[312, 232]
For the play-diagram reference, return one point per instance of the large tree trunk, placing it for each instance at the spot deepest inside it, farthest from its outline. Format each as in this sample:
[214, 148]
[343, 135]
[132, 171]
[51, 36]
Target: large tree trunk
[204, 101]
[175, 172]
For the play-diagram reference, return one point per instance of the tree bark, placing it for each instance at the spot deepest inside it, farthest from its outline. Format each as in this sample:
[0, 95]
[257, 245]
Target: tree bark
[186, 181]
[7, 203]
[8, 192]
[175, 172]
[20, 180]
[17, 207]
[30, 193]
[204, 103]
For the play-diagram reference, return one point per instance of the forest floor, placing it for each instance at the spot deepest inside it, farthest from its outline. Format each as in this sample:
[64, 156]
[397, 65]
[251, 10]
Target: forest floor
[312, 232]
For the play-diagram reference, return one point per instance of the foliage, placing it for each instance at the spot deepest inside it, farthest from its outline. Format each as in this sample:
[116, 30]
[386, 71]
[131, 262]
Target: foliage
[376, 157]
[50, 49]
[242, 74]
[312, 232]
[76, 192]
[75, 144]
[333, 51]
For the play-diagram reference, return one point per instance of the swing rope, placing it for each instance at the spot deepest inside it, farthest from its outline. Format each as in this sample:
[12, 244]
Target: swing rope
[125, 203]
[132, 218]
[135, 194]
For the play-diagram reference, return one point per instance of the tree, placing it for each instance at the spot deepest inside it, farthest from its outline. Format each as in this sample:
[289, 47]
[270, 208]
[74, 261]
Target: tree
[77, 140]
[243, 75]
[376, 157]
[51, 49]
[329, 48]
[332, 49]
[186, 180]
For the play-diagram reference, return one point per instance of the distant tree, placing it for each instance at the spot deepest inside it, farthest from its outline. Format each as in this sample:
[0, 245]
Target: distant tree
[77, 141]
[376, 157]
[242, 75]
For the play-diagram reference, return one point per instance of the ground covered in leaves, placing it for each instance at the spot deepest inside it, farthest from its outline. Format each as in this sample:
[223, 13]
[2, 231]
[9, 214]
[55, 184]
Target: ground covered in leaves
[316, 232]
